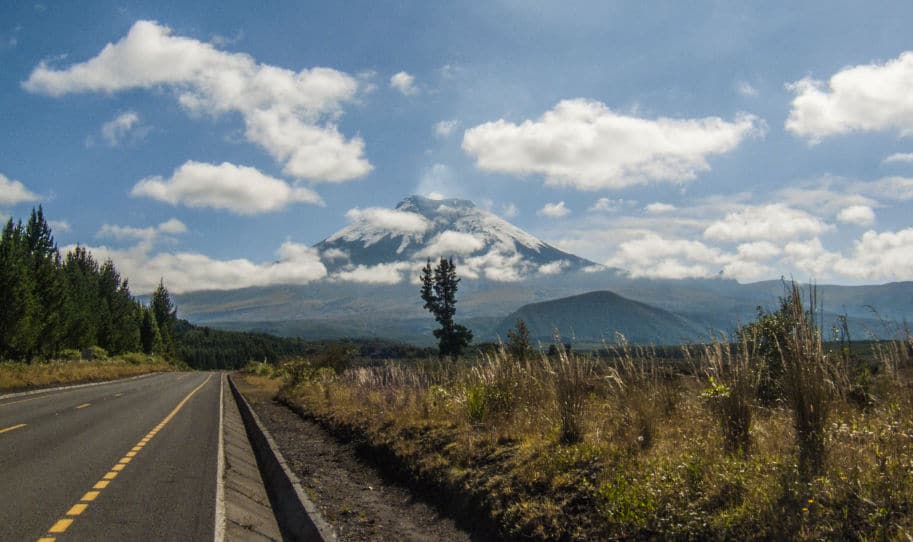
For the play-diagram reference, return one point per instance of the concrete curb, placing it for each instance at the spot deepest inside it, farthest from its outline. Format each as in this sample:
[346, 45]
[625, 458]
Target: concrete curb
[76, 386]
[299, 518]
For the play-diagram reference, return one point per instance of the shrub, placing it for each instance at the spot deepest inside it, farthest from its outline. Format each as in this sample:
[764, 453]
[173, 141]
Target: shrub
[733, 384]
[70, 354]
[137, 358]
[95, 353]
[571, 373]
[812, 379]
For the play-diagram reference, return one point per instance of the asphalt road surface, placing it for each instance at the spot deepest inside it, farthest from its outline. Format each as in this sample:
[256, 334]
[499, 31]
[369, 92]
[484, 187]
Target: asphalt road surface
[127, 460]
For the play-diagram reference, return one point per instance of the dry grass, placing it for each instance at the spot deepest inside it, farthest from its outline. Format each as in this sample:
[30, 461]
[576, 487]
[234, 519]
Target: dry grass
[18, 376]
[575, 447]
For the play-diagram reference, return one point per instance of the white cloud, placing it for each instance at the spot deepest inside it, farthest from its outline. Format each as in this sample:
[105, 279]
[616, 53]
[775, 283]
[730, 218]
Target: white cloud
[172, 227]
[860, 215]
[334, 254]
[654, 256]
[450, 243]
[59, 226]
[554, 210]
[384, 273]
[869, 97]
[758, 250]
[445, 127]
[145, 237]
[583, 144]
[893, 188]
[899, 157]
[239, 189]
[290, 114]
[746, 89]
[189, 271]
[13, 192]
[659, 208]
[765, 222]
[438, 180]
[122, 127]
[880, 256]
[389, 220]
[509, 210]
[554, 268]
[498, 264]
[404, 83]
[606, 205]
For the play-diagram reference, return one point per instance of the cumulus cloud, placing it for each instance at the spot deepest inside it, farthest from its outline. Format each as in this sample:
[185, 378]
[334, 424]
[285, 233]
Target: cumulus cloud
[880, 256]
[239, 189]
[606, 205]
[145, 237]
[384, 273]
[860, 215]
[554, 268]
[894, 188]
[190, 271]
[445, 127]
[899, 157]
[451, 243]
[869, 97]
[554, 210]
[123, 127]
[509, 210]
[654, 256]
[583, 144]
[404, 83]
[13, 192]
[389, 220]
[765, 222]
[289, 114]
[659, 208]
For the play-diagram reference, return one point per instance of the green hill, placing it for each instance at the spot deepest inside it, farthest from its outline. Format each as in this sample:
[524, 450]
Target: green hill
[591, 317]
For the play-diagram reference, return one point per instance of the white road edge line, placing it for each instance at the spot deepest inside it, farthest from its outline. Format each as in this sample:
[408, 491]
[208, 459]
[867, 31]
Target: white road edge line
[75, 386]
[219, 531]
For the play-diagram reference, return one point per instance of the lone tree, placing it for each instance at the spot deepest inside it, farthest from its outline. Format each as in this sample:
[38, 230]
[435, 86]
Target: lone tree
[439, 287]
[518, 342]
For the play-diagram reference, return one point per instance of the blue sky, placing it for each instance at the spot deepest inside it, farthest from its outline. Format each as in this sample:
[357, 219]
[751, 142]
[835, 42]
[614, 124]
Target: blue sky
[672, 140]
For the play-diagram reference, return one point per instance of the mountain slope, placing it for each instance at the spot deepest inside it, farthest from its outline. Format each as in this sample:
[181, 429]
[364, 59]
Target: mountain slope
[594, 316]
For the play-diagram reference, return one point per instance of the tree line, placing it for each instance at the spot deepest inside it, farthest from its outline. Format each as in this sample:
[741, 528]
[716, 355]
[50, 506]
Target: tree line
[50, 302]
[55, 306]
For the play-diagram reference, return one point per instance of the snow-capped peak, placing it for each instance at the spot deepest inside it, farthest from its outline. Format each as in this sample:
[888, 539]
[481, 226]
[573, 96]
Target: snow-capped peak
[419, 228]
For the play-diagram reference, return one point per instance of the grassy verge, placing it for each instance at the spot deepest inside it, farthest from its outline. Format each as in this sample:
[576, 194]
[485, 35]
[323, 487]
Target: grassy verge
[573, 447]
[24, 376]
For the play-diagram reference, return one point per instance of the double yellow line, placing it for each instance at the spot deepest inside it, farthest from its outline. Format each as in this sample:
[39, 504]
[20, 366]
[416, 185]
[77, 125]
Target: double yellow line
[77, 509]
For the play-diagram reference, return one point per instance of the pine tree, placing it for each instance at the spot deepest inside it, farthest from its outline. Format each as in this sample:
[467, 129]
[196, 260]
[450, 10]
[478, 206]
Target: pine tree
[439, 288]
[18, 303]
[518, 342]
[165, 316]
[150, 337]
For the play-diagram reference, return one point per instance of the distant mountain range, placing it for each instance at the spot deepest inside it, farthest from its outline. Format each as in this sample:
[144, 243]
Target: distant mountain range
[506, 273]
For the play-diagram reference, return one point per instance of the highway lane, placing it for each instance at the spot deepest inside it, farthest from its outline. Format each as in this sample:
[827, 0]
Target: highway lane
[132, 459]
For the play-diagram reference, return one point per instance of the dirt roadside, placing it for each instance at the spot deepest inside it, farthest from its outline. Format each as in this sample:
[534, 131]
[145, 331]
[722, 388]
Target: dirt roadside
[352, 495]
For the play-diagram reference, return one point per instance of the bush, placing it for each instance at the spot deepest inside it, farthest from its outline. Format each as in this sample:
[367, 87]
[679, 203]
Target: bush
[95, 353]
[137, 358]
[70, 354]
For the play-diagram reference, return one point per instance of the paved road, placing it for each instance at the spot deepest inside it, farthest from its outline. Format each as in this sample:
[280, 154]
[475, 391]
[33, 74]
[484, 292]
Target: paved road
[154, 440]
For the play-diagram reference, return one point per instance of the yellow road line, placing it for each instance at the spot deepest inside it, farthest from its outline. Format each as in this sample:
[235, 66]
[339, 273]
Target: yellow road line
[89, 496]
[84, 405]
[63, 524]
[77, 509]
[13, 428]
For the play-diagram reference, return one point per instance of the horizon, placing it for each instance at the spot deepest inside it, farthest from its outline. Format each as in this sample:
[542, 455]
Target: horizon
[167, 138]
